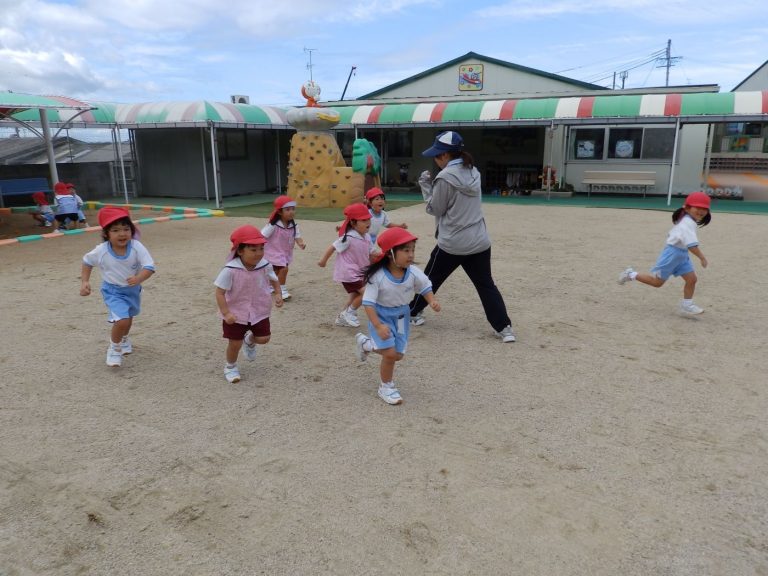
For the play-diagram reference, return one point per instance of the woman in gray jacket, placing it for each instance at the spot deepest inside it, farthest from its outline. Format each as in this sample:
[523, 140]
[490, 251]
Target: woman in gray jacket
[454, 198]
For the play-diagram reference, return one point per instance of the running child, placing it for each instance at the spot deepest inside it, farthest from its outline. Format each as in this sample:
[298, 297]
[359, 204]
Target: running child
[44, 213]
[282, 233]
[674, 259]
[376, 201]
[124, 263]
[355, 253]
[243, 297]
[390, 284]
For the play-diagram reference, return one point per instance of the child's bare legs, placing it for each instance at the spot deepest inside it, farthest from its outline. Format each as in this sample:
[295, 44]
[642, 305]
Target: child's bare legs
[233, 350]
[651, 280]
[690, 285]
[387, 368]
[355, 300]
[282, 275]
[120, 330]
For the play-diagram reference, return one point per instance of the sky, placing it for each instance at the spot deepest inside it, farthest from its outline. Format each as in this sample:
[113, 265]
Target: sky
[176, 50]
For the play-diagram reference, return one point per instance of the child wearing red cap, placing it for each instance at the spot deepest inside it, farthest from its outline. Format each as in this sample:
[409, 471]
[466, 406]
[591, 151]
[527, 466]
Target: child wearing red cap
[674, 259]
[354, 251]
[124, 263]
[44, 213]
[390, 283]
[376, 201]
[243, 297]
[282, 233]
[66, 206]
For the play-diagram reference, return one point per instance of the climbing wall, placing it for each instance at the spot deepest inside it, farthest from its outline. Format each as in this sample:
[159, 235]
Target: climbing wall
[317, 174]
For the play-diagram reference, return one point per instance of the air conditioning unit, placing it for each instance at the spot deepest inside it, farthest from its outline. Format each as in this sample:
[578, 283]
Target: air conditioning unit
[240, 99]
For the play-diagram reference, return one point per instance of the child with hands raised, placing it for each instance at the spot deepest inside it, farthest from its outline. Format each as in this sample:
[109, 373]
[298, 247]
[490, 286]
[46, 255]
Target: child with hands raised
[124, 263]
[243, 297]
[390, 284]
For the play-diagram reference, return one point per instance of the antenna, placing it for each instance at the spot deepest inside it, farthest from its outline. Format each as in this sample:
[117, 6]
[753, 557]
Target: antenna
[309, 65]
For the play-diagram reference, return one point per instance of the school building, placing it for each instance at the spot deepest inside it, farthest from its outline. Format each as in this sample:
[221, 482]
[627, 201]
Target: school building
[527, 129]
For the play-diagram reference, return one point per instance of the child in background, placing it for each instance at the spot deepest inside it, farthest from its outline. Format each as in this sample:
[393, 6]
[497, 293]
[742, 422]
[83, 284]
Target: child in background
[355, 252]
[66, 206]
[282, 233]
[124, 263]
[674, 259]
[44, 213]
[391, 282]
[379, 219]
[80, 214]
[243, 297]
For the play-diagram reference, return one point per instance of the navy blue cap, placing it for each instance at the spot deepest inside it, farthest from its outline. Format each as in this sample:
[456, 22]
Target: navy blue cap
[445, 142]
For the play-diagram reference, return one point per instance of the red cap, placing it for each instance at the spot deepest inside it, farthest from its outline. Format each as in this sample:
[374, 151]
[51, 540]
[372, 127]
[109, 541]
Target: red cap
[246, 234]
[110, 214]
[280, 203]
[392, 238]
[39, 197]
[373, 192]
[698, 200]
[61, 188]
[357, 211]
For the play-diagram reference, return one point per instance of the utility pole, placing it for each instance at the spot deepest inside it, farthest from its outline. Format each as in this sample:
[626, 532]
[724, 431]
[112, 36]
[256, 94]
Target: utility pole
[623, 75]
[668, 60]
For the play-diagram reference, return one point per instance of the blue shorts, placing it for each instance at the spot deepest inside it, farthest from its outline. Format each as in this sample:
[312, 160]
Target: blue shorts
[672, 261]
[122, 301]
[398, 320]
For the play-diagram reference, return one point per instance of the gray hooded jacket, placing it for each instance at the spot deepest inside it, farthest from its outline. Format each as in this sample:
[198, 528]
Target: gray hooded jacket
[454, 198]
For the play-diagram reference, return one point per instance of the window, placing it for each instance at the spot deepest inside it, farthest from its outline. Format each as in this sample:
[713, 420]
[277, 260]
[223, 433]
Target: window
[625, 143]
[232, 144]
[658, 143]
[588, 144]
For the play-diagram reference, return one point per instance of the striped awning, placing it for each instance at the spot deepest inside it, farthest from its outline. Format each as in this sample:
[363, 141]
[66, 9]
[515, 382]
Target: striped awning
[690, 107]
[13, 104]
[151, 114]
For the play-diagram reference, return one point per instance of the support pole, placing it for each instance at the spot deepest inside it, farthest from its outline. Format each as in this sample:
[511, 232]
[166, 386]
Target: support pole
[215, 164]
[674, 159]
[708, 156]
[122, 164]
[49, 146]
[205, 168]
[277, 161]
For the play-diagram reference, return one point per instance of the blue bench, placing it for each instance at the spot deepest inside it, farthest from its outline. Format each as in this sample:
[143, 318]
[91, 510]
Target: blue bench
[21, 186]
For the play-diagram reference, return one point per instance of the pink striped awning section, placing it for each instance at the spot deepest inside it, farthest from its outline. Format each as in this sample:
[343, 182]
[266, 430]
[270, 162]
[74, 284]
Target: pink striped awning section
[689, 106]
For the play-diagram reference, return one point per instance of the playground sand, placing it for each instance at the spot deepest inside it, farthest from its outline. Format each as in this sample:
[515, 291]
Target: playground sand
[614, 437]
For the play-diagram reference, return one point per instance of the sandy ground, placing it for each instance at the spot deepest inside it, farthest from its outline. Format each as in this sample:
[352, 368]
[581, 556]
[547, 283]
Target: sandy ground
[614, 437]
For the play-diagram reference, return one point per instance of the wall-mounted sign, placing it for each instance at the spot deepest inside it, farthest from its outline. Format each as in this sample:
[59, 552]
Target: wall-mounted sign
[470, 77]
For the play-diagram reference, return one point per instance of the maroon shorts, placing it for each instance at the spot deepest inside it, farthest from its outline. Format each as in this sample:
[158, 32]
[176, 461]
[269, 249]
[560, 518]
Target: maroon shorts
[354, 287]
[237, 331]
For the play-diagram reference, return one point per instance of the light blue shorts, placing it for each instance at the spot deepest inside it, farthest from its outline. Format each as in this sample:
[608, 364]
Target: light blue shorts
[398, 320]
[122, 301]
[672, 261]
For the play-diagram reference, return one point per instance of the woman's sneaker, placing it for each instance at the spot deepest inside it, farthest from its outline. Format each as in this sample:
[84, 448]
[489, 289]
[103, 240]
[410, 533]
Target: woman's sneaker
[390, 394]
[506, 334]
[417, 320]
[232, 374]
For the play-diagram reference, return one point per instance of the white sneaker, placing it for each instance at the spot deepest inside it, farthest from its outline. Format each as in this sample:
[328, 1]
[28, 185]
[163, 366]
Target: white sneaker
[285, 294]
[114, 356]
[625, 277]
[690, 309]
[249, 349]
[347, 319]
[232, 374]
[360, 351]
[417, 320]
[126, 346]
[390, 394]
[506, 334]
